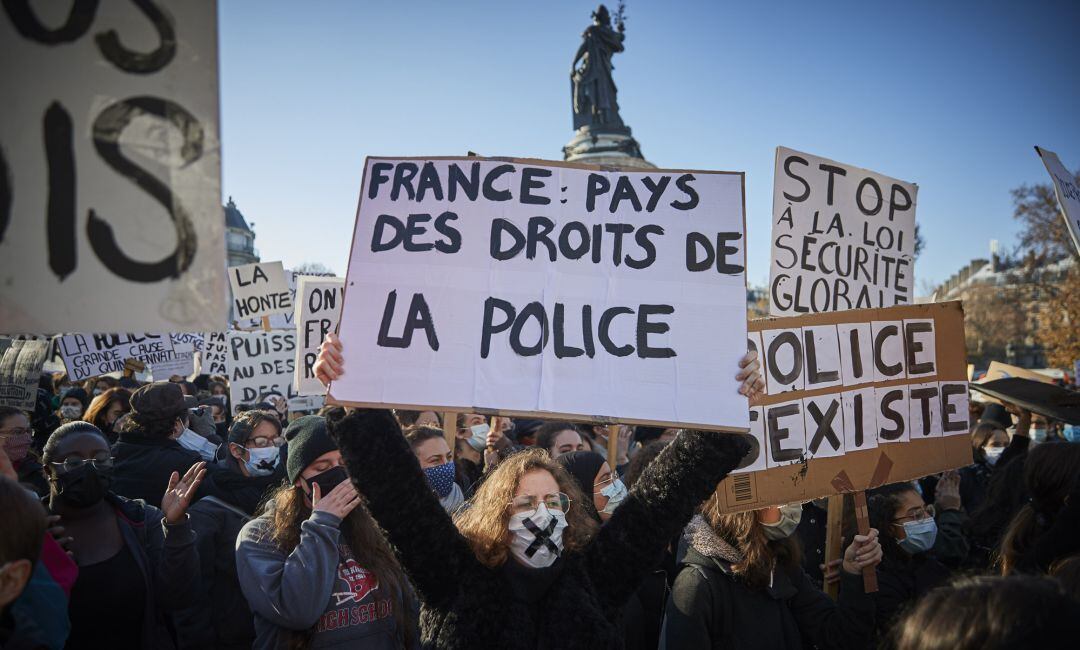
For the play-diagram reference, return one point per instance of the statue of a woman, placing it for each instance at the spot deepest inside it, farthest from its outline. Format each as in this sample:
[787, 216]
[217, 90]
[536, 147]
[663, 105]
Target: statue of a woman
[592, 87]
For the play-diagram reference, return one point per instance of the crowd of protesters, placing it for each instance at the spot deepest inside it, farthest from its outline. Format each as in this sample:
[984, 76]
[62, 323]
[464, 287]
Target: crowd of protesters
[157, 515]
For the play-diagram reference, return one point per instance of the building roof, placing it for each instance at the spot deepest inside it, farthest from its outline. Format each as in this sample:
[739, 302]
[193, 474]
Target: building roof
[233, 218]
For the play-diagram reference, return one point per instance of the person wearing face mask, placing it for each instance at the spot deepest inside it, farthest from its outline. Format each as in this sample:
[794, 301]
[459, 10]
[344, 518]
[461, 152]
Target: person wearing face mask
[221, 618]
[155, 441]
[595, 478]
[314, 567]
[106, 408]
[137, 563]
[16, 438]
[742, 586]
[73, 403]
[474, 447]
[437, 461]
[909, 533]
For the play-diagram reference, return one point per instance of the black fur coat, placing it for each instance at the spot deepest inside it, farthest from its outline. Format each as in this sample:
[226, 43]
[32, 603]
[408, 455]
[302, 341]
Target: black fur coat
[468, 605]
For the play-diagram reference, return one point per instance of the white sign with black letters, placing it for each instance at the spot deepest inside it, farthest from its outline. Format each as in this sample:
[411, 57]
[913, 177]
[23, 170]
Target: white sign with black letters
[259, 289]
[90, 355]
[260, 364]
[842, 237]
[1068, 193]
[318, 309]
[110, 168]
[524, 286]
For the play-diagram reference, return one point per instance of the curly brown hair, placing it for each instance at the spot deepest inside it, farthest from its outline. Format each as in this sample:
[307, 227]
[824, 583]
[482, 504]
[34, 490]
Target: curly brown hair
[485, 523]
[287, 508]
[744, 532]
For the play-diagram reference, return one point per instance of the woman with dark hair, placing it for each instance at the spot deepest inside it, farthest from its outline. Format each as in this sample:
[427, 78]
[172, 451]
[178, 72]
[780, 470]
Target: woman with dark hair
[314, 566]
[106, 409]
[742, 585]
[558, 438]
[991, 613]
[221, 618]
[435, 458]
[16, 439]
[136, 563]
[603, 489]
[908, 569]
[1047, 528]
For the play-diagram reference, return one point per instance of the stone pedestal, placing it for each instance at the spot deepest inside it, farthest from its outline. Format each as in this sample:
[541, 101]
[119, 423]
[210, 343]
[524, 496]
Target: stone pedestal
[605, 148]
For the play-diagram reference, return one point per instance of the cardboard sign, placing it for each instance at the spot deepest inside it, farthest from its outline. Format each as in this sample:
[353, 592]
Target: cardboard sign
[317, 314]
[1068, 193]
[899, 413]
[90, 355]
[999, 370]
[214, 355]
[527, 287]
[842, 237]
[178, 363]
[110, 216]
[20, 369]
[187, 342]
[260, 364]
[259, 289]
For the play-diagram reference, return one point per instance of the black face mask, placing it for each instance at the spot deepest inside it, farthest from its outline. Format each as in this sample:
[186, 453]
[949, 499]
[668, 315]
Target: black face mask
[84, 486]
[327, 480]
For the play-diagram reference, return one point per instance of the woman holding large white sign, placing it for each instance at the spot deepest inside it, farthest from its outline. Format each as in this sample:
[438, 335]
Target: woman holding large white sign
[524, 553]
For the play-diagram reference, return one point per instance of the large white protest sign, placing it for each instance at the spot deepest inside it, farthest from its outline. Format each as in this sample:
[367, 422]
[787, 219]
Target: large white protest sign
[532, 287]
[110, 198]
[187, 341]
[260, 364]
[90, 355]
[214, 355]
[1068, 193]
[259, 289]
[842, 237]
[20, 370]
[318, 309]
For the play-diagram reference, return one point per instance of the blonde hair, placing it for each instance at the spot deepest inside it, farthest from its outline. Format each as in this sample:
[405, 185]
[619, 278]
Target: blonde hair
[485, 523]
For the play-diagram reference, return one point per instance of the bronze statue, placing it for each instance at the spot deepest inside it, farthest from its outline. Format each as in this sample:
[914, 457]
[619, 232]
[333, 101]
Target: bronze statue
[592, 87]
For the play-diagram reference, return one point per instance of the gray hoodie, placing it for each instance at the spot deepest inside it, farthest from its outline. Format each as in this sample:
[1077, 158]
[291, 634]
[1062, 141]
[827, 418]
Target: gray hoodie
[318, 587]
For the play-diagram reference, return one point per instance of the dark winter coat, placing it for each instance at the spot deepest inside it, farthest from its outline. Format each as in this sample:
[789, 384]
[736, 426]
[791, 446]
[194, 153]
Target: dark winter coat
[711, 608]
[143, 465]
[222, 619]
[468, 605]
[169, 563]
[902, 580]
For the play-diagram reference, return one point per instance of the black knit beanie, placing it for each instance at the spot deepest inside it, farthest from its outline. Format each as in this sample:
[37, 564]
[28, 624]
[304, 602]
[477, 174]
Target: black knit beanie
[308, 439]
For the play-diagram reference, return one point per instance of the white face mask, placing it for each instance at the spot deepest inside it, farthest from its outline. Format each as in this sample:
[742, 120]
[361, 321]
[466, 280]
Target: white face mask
[478, 441]
[537, 540]
[262, 461]
[615, 492]
[790, 516]
[70, 411]
[193, 441]
[992, 454]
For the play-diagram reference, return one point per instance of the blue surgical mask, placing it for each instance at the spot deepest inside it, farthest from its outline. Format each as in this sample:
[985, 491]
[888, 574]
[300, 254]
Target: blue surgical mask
[1037, 435]
[262, 461]
[441, 478]
[193, 441]
[992, 454]
[920, 535]
[478, 441]
[1071, 432]
[615, 493]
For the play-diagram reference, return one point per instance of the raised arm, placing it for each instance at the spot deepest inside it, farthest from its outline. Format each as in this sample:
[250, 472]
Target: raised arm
[659, 506]
[386, 473]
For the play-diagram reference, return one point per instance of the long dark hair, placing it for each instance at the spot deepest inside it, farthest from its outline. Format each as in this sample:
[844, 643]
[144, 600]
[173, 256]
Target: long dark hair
[1049, 474]
[744, 532]
[288, 509]
[881, 506]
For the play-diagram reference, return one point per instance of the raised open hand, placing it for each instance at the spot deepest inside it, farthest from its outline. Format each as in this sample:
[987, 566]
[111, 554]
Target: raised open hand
[180, 492]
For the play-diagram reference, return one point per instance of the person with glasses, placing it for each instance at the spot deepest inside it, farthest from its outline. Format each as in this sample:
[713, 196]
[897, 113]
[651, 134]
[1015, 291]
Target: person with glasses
[909, 569]
[603, 487]
[524, 565]
[221, 617]
[16, 438]
[137, 563]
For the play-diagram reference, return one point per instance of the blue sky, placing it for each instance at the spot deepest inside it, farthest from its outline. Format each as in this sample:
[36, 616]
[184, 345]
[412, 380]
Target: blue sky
[949, 95]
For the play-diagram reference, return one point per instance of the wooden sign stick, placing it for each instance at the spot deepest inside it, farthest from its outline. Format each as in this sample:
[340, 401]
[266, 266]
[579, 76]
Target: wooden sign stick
[266, 323]
[833, 534]
[449, 427]
[612, 445]
[842, 482]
